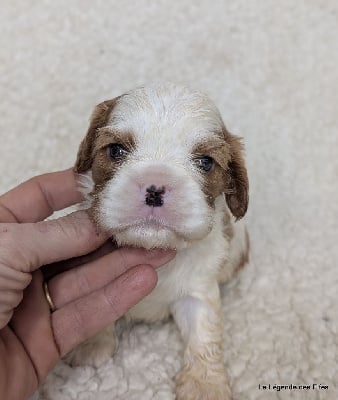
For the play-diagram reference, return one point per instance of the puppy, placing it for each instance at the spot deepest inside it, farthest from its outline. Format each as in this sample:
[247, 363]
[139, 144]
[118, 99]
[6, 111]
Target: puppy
[162, 171]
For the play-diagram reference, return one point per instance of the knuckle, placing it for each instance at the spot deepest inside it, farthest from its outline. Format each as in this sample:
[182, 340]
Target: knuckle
[81, 279]
[6, 214]
[79, 225]
[112, 303]
[65, 227]
[8, 243]
[61, 226]
[37, 181]
[6, 231]
[79, 321]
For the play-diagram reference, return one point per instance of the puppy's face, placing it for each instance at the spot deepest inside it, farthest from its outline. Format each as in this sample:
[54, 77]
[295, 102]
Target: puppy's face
[159, 158]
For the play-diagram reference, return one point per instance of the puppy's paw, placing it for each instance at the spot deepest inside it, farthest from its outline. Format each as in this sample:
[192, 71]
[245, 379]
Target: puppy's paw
[94, 352]
[192, 386]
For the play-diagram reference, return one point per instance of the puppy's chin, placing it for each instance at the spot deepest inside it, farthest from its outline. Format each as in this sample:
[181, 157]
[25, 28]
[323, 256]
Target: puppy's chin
[150, 237]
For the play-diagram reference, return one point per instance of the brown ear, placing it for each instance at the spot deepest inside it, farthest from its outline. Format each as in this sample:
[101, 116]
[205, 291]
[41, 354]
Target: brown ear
[237, 191]
[98, 119]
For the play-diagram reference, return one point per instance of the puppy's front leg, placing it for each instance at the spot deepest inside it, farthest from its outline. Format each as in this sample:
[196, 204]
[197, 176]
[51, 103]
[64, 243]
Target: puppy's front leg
[203, 376]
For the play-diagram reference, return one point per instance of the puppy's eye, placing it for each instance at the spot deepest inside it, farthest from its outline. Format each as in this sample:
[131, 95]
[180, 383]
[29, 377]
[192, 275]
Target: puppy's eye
[204, 163]
[117, 151]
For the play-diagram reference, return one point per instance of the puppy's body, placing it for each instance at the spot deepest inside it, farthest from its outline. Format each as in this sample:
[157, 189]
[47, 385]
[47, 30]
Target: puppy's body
[162, 171]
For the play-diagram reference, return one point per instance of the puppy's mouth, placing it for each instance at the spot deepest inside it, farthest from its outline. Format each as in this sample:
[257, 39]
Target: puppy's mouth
[149, 232]
[150, 222]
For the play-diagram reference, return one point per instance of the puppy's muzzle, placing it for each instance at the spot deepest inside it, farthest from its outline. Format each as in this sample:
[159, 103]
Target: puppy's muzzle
[154, 196]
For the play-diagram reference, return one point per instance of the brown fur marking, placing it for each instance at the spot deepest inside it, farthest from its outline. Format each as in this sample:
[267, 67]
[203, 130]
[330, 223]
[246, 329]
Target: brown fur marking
[103, 166]
[228, 175]
[245, 255]
[213, 182]
[237, 192]
[98, 119]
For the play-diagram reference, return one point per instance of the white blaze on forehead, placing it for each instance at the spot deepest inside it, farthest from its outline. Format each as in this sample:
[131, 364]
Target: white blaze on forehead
[165, 116]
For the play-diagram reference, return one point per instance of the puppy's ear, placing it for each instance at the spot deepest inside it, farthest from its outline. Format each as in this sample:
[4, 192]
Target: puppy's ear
[98, 119]
[237, 190]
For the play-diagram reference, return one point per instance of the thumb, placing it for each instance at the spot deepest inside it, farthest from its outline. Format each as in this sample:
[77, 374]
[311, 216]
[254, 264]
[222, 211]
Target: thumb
[26, 247]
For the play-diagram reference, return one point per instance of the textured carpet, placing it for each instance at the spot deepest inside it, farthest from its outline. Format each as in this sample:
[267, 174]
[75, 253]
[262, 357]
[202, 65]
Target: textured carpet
[271, 67]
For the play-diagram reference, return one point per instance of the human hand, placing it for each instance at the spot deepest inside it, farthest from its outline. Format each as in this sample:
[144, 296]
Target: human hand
[99, 290]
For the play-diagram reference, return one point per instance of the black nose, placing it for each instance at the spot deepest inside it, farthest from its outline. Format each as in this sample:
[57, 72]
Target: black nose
[154, 196]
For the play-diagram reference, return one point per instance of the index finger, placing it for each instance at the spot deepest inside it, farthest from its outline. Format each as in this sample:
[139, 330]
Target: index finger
[37, 198]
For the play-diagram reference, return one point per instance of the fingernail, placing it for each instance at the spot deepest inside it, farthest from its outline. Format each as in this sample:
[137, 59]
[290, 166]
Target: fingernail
[161, 255]
[160, 252]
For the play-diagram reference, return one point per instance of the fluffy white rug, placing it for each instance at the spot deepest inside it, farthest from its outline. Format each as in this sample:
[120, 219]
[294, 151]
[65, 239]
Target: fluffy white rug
[272, 69]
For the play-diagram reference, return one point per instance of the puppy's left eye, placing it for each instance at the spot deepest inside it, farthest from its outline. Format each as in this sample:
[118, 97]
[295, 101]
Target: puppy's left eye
[117, 151]
[204, 163]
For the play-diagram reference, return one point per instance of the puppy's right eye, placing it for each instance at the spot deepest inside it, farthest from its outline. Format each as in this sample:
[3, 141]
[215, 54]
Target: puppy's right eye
[117, 151]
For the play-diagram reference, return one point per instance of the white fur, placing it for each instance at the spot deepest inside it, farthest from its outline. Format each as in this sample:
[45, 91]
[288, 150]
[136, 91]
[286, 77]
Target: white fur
[85, 186]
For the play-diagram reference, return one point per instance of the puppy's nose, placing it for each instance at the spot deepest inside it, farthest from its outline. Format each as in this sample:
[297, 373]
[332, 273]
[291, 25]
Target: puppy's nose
[154, 196]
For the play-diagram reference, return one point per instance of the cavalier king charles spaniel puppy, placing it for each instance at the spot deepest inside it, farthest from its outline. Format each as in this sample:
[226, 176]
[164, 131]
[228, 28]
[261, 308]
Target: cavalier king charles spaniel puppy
[162, 171]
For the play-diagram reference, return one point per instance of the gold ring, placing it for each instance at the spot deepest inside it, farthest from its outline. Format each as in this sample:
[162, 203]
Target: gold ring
[48, 297]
